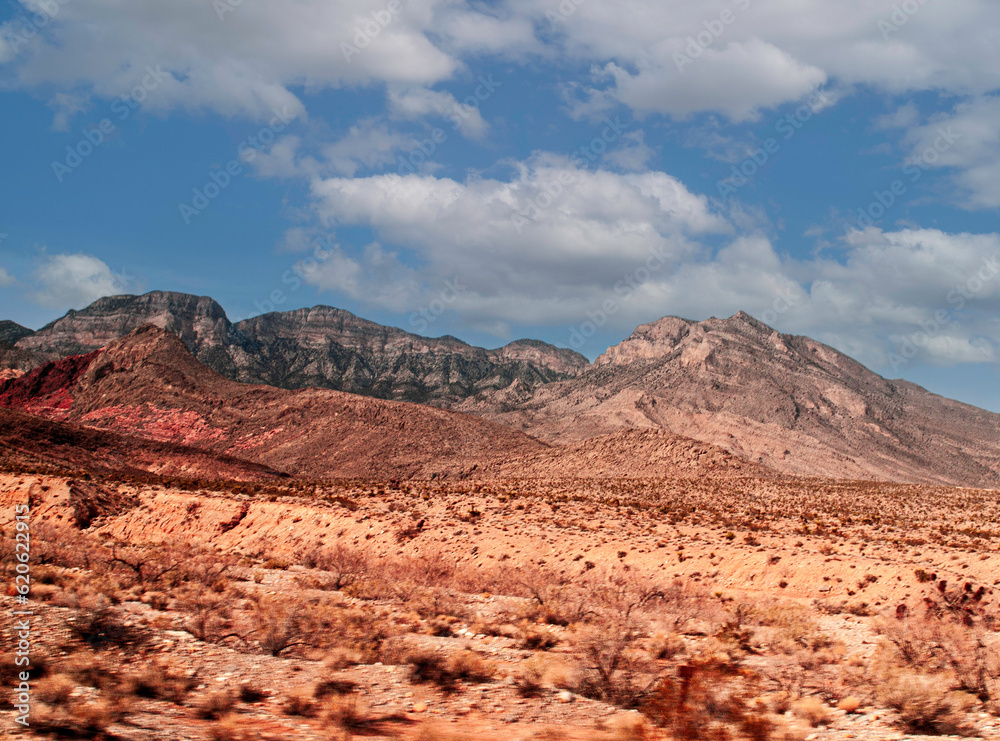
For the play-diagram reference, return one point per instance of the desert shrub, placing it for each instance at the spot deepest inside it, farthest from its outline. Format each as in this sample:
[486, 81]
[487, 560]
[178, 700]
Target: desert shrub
[926, 705]
[54, 690]
[101, 625]
[207, 613]
[75, 718]
[344, 564]
[788, 628]
[813, 711]
[665, 645]
[709, 699]
[345, 713]
[300, 701]
[931, 644]
[444, 671]
[536, 637]
[530, 678]
[157, 682]
[216, 705]
[613, 670]
[231, 727]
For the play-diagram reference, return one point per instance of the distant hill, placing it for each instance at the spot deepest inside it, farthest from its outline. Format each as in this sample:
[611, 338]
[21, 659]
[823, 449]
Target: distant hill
[322, 347]
[148, 385]
[789, 403]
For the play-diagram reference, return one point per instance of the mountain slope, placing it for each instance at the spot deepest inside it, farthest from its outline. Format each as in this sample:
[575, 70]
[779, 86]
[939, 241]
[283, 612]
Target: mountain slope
[11, 332]
[150, 385]
[322, 347]
[790, 403]
[31, 441]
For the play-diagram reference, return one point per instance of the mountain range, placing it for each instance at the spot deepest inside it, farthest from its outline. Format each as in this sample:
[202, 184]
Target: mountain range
[287, 391]
[321, 347]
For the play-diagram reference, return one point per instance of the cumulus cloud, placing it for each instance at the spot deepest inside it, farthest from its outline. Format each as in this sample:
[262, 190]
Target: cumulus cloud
[553, 244]
[967, 141]
[6, 279]
[242, 63]
[748, 56]
[75, 280]
[745, 56]
[736, 80]
[418, 103]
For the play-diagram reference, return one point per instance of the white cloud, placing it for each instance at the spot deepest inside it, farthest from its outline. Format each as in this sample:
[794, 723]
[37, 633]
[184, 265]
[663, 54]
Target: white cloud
[418, 103]
[634, 154]
[523, 252]
[736, 80]
[555, 264]
[73, 281]
[6, 279]
[968, 142]
[368, 144]
[771, 51]
[244, 64]
[767, 53]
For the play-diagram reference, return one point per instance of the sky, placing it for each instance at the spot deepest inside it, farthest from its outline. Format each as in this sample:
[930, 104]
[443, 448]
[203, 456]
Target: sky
[558, 169]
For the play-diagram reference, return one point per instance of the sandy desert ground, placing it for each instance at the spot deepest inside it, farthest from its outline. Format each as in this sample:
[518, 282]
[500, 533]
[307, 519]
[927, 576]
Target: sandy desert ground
[686, 608]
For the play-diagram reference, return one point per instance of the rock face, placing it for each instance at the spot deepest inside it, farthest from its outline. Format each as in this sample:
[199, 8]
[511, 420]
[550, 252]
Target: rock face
[320, 347]
[149, 385]
[790, 403]
[11, 332]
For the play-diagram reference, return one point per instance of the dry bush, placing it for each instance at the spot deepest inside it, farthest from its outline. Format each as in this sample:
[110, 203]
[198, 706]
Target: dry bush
[207, 613]
[530, 678]
[926, 705]
[665, 645]
[345, 713]
[787, 629]
[216, 705]
[300, 701]
[932, 644]
[277, 624]
[101, 625]
[536, 637]
[345, 565]
[614, 670]
[631, 729]
[54, 690]
[64, 546]
[75, 719]
[445, 671]
[157, 682]
[709, 699]
[813, 711]
[231, 727]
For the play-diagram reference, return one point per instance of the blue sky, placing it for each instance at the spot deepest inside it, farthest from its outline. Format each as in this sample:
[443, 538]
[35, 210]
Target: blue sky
[560, 170]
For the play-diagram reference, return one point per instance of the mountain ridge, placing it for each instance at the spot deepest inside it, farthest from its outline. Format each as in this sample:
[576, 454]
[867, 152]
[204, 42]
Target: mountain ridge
[320, 346]
[788, 402]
